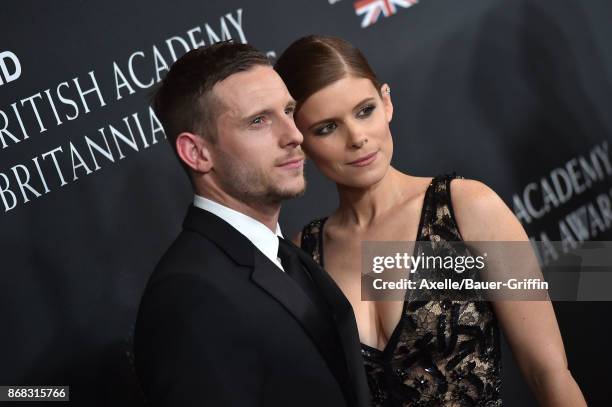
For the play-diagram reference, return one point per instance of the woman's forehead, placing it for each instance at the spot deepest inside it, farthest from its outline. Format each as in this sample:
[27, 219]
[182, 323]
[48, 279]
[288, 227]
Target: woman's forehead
[343, 94]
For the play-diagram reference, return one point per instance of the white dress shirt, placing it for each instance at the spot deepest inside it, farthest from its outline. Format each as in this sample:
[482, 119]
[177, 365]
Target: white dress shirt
[258, 233]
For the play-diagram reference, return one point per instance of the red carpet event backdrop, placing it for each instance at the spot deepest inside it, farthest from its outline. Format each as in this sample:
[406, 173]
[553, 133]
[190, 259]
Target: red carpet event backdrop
[516, 94]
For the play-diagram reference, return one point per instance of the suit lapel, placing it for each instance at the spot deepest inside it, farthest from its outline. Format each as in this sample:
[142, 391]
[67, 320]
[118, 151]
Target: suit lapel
[317, 323]
[224, 235]
[346, 326]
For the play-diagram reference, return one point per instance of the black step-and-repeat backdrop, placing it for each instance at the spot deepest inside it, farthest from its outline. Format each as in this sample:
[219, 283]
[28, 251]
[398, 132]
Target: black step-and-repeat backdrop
[515, 93]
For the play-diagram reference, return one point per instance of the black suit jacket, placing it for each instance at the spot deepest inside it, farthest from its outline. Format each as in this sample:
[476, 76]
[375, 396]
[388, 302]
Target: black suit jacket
[220, 325]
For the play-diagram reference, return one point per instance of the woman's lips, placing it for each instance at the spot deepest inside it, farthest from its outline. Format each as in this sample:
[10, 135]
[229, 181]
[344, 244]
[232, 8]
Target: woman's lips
[365, 160]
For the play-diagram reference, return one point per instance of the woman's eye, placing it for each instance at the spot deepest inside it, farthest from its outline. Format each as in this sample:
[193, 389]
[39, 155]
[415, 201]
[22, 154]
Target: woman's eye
[366, 111]
[328, 128]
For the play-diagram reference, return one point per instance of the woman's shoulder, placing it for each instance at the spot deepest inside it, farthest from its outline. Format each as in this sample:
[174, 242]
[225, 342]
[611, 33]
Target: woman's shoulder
[310, 232]
[463, 190]
[480, 212]
[309, 238]
[466, 188]
[314, 226]
[473, 196]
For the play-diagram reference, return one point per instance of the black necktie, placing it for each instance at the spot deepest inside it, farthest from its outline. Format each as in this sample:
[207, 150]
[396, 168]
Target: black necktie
[294, 268]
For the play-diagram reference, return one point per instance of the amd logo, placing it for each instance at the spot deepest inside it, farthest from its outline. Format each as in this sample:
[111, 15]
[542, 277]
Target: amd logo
[6, 75]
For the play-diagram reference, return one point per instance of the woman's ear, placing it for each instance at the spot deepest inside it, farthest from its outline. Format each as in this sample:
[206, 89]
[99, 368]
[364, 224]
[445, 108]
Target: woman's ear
[194, 151]
[385, 91]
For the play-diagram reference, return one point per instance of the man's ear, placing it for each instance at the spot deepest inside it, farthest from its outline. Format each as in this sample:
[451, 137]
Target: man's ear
[385, 91]
[194, 152]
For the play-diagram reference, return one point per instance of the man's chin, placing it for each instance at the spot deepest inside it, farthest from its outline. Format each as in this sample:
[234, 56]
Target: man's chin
[290, 191]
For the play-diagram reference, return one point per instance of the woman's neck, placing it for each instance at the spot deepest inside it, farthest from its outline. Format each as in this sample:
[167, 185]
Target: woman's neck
[362, 206]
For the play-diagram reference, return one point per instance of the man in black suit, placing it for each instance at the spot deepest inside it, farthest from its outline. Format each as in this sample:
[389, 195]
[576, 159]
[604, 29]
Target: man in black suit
[233, 314]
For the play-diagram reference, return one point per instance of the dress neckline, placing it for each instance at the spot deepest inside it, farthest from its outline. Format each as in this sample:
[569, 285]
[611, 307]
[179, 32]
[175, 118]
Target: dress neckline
[393, 338]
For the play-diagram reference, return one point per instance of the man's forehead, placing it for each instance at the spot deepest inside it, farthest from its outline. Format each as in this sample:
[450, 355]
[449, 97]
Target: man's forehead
[259, 84]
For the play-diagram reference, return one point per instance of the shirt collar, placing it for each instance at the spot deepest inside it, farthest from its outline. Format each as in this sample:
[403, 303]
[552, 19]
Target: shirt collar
[258, 233]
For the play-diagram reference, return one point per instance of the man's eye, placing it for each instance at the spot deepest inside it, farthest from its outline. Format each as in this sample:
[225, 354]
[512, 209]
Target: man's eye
[366, 111]
[290, 110]
[257, 120]
[328, 128]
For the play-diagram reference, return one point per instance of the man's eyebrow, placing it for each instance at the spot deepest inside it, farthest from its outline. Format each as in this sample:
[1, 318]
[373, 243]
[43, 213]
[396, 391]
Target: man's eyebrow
[290, 103]
[255, 114]
[369, 98]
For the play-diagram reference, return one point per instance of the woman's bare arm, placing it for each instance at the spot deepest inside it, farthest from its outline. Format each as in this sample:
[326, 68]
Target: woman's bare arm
[530, 326]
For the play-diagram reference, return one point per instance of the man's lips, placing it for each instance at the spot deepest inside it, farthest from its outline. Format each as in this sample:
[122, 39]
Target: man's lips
[296, 162]
[365, 160]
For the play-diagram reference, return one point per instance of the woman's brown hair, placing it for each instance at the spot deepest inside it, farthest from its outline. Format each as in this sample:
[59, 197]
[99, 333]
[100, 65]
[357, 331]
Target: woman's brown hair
[316, 61]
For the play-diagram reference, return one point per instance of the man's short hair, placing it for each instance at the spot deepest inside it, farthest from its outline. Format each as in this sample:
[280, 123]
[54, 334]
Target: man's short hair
[185, 103]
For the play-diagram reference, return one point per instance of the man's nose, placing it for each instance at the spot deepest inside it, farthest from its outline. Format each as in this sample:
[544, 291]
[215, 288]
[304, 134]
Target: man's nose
[290, 135]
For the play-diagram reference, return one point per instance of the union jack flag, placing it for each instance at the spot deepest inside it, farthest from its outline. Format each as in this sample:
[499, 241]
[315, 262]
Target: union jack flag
[371, 9]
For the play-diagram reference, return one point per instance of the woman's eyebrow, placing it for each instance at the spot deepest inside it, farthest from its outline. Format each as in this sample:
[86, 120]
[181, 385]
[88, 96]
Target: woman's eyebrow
[369, 98]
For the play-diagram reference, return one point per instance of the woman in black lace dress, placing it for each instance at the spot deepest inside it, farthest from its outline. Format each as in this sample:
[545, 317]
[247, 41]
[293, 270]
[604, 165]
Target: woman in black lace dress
[427, 353]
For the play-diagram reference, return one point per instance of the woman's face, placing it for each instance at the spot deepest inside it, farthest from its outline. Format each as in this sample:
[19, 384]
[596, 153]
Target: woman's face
[346, 131]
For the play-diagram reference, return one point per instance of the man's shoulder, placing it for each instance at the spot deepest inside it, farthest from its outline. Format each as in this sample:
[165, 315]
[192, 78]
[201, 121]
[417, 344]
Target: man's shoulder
[194, 256]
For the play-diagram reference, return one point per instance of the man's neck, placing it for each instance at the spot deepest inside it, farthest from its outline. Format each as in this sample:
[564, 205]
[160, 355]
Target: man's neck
[265, 213]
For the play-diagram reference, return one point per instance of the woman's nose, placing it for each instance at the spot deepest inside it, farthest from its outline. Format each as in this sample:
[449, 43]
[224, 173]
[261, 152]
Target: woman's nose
[356, 138]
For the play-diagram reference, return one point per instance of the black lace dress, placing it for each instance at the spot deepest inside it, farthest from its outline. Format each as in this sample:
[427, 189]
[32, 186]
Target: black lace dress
[442, 352]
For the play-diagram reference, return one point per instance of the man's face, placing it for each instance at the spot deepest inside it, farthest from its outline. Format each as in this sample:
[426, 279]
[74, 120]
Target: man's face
[257, 154]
